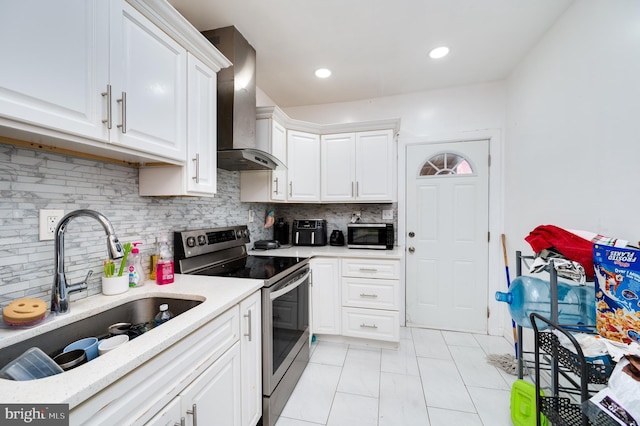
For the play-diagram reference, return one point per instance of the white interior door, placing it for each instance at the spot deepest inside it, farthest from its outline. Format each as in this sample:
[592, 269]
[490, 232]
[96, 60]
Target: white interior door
[447, 188]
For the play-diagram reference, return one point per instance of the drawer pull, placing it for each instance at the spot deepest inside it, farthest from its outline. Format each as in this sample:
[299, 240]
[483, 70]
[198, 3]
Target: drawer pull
[368, 295]
[368, 270]
[368, 326]
[248, 317]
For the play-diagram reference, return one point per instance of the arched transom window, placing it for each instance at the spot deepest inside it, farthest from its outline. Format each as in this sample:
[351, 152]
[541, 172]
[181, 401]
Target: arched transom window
[446, 163]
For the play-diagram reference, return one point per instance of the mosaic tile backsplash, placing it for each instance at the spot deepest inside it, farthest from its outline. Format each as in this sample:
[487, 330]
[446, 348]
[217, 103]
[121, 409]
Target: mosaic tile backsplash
[31, 180]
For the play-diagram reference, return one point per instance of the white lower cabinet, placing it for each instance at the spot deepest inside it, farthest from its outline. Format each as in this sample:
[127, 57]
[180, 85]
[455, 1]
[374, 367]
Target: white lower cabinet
[371, 298]
[356, 297]
[210, 377]
[211, 399]
[325, 296]
[251, 359]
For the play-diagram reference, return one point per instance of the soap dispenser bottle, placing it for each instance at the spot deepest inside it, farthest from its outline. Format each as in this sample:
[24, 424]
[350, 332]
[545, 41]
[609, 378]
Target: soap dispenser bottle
[134, 266]
[164, 267]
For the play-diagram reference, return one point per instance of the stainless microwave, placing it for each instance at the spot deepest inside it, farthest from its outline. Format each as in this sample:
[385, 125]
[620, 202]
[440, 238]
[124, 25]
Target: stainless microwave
[370, 236]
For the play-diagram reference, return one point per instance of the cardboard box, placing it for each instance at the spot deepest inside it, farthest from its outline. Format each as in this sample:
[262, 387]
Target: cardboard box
[617, 284]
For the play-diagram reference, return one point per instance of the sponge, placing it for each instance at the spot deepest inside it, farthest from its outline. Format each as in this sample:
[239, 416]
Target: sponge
[24, 311]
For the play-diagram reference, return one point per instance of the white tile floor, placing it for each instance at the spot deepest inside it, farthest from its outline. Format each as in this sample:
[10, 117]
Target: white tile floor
[435, 378]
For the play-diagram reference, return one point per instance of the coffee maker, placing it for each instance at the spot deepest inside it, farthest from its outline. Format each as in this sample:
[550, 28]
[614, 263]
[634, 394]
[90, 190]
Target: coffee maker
[281, 231]
[336, 238]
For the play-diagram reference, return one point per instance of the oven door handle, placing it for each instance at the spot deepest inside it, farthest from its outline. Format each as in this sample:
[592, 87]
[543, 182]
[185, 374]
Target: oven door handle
[274, 295]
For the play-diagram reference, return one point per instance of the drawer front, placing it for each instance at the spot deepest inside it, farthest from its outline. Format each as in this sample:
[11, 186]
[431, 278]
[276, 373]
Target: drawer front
[371, 268]
[371, 293]
[371, 324]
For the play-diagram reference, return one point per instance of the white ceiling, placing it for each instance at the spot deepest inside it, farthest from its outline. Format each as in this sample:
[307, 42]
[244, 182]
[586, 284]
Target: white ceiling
[377, 47]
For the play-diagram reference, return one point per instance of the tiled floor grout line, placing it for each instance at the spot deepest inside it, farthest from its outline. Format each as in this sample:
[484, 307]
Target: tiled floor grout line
[424, 396]
[409, 341]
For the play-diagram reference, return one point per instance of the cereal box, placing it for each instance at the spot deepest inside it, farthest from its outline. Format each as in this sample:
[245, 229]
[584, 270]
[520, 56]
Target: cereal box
[617, 283]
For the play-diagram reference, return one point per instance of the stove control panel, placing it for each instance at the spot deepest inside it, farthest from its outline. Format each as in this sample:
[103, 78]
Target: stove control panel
[193, 243]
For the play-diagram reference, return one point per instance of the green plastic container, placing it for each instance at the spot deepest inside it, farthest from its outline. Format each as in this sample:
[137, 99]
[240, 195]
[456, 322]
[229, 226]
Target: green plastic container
[523, 404]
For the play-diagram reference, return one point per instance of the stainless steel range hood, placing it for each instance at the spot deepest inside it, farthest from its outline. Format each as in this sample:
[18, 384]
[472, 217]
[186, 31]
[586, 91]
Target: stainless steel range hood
[237, 148]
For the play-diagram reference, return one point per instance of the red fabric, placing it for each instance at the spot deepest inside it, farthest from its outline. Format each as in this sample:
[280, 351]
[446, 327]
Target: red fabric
[566, 243]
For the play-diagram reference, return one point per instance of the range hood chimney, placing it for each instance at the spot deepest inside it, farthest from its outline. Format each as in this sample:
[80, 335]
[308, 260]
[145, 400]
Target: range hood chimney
[236, 123]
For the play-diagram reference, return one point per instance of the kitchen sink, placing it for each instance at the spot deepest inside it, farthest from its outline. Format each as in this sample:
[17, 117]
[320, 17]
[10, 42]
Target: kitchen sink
[135, 312]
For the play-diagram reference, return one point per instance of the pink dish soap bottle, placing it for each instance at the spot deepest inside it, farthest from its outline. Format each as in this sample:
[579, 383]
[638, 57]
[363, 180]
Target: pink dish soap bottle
[164, 267]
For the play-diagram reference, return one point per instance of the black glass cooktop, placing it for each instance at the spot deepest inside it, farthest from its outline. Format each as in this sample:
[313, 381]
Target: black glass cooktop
[254, 267]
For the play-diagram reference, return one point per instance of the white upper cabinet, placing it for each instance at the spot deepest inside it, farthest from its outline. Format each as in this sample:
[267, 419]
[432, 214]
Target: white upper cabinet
[267, 185]
[279, 150]
[198, 177]
[148, 77]
[201, 128]
[358, 166]
[338, 167]
[303, 161]
[350, 163]
[105, 78]
[375, 166]
[55, 64]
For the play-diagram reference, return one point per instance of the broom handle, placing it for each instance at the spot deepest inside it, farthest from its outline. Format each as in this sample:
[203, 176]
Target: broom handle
[506, 270]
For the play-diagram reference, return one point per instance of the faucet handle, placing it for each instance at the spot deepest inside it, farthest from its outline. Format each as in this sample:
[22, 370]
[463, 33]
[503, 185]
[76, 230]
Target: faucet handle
[86, 279]
[82, 285]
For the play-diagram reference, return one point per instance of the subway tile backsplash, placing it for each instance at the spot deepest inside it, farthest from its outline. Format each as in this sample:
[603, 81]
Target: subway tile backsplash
[31, 180]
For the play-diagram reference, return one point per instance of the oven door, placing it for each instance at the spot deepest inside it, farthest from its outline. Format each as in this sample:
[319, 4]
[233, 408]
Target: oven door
[285, 322]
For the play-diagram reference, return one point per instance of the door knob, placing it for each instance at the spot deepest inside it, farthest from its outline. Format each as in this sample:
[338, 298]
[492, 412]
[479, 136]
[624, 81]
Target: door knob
[412, 249]
[412, 234]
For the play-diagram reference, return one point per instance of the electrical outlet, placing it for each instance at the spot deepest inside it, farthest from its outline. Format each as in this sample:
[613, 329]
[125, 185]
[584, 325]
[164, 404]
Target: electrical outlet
[387, 214]
[250, 216]
[48, 222]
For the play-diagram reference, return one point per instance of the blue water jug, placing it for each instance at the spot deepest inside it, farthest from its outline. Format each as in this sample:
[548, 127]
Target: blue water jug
[576, 304]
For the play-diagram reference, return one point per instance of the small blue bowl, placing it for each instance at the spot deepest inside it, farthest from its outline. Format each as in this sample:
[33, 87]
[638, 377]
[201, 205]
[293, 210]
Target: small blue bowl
[89, 345]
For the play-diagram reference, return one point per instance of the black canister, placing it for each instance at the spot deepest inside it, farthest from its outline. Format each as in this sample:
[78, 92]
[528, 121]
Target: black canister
[281, 231]
[336, 238]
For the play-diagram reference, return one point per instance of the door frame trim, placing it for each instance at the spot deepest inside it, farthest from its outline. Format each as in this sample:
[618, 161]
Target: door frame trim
[496, 278]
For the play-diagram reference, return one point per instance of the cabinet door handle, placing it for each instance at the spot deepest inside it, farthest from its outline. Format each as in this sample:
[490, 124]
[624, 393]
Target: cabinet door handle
[357, 189]
[123, 102]
[194, 412]
[368, 326]
[182, 422]
[248, 317]
[290, 188]
[368, 295]
[277, 189]
[197, 161]
[368, 270]
[353, 184]
[108, 120]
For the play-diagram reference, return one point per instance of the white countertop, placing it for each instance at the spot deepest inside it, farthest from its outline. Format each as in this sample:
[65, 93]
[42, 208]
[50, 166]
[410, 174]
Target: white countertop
[74, 386]
[331, 251]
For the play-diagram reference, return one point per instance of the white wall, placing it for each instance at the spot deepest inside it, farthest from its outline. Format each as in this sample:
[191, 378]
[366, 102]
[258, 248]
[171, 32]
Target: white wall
[573, 132]
[573, 126]
[436, 112]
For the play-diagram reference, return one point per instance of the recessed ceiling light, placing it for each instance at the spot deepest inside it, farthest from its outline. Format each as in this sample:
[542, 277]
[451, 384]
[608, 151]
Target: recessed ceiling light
[439, 52]
[323, 72]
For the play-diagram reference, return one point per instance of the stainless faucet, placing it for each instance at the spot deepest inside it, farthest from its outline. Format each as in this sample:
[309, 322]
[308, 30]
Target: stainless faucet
[61, 289]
